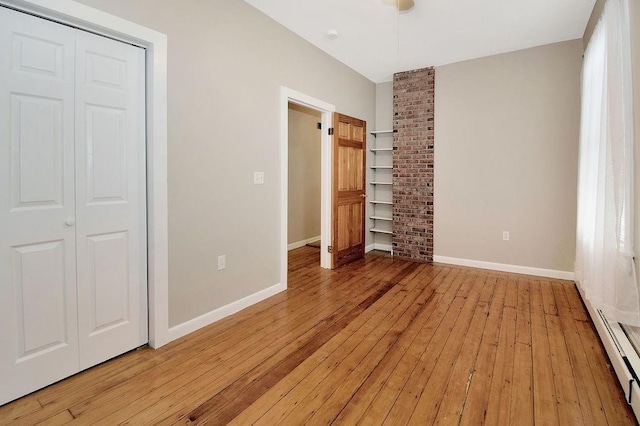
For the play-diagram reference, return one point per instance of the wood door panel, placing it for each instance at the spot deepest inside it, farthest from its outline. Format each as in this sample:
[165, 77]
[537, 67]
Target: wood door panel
[350, 171]
[357, 175]
[357, 225]
[349, 163]
[343, 227]
[357, 133]
[351, 129]
[350, 224]
[344, 130]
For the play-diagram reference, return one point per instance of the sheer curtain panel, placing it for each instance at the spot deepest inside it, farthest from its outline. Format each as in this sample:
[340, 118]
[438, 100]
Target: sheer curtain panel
[605, 249]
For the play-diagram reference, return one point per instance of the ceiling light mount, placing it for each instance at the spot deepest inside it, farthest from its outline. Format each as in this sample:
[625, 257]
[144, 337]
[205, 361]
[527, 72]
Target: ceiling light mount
[402, 5]
[333, 34]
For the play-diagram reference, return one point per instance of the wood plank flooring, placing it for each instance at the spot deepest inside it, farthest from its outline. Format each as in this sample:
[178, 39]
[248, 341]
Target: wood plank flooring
[379, 341]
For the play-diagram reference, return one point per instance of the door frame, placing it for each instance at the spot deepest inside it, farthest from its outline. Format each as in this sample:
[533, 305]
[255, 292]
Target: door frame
[98, 22]
[288, 95]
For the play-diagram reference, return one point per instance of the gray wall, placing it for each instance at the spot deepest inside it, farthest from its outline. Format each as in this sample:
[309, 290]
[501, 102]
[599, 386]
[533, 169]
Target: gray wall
[226, 63]
[506, 149]
[384, 105]
[304, 173]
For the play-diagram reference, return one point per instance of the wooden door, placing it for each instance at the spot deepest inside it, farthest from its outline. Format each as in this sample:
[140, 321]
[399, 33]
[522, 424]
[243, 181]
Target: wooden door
[110, 198]
[38, 315]
[348, 201]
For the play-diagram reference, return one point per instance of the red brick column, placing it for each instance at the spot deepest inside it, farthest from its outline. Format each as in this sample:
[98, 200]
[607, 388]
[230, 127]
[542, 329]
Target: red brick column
[413, 105]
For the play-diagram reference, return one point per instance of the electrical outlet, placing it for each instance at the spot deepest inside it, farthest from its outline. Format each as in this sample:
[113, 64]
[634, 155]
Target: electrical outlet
[258, 178]
[222, 262]
[505, 235]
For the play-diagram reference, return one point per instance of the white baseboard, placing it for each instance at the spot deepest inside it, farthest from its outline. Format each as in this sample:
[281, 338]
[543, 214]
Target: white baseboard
[549, 273]
[377, 246]
[190, 326]
[383, 247]
[302, 243]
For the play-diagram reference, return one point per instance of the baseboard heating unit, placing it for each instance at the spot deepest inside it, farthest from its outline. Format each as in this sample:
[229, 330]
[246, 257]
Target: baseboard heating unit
[617, 340]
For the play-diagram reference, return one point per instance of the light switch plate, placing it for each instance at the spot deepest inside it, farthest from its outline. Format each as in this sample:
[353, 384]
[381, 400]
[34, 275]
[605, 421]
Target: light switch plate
[258, 178]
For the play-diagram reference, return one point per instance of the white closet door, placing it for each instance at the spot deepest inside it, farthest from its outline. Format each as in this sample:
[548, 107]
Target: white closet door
[110, 198]
[38, 316]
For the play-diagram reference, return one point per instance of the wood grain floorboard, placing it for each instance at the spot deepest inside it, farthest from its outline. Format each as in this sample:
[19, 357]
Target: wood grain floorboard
[378, 341]
[225, 408]
[477, 398]
[378, 377]
[209, 378]
[545, 410]
[385, 399]
[468, 324]
[295, 388]
[398, 400]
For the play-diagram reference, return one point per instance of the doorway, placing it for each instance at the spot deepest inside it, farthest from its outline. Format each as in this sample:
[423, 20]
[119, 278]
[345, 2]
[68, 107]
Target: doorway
[325, 109]
[304, 177]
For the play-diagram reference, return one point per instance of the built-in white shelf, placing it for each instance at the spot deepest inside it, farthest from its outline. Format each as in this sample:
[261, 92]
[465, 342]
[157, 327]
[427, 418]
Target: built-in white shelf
[381, 181]
[380, 231]
[375, 133]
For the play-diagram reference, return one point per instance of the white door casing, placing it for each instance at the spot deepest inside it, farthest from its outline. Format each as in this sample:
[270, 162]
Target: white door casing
[289, 95]
[55, 209]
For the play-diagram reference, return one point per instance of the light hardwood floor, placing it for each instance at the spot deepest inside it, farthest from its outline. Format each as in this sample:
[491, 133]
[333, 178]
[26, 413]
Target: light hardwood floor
[378, 341]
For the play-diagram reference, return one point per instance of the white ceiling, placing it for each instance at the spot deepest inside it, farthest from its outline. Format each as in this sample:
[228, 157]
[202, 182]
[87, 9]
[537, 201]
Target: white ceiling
[375, 40]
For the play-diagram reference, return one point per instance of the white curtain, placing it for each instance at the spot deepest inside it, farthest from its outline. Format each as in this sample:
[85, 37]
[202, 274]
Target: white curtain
[604, 253]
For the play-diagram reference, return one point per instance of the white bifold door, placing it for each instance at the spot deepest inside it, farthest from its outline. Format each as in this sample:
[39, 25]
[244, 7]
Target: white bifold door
[73, 286]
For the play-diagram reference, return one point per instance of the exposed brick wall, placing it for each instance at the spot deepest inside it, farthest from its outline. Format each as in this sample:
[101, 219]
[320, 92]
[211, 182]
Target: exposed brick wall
[413, 104]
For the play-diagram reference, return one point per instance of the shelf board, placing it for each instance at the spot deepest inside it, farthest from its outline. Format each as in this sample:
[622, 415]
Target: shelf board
[381, 167]
[381, 218]
[381, 149]
[381, 202]
[381, 183]
[375, 133]
[380, 231]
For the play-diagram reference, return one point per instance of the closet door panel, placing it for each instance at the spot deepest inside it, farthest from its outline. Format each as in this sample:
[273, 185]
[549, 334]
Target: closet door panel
[110, 198]
[38, 299]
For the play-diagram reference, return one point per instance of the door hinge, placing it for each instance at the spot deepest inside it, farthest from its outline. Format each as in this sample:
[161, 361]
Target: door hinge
[319, 126]
[330, 249]
[330, 130]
